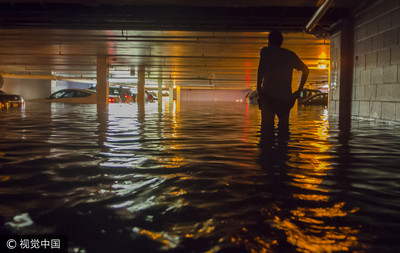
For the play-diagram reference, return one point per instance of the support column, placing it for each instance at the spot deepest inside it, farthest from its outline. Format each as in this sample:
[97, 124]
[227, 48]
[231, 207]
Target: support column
[140, 87]
[160, 94]
[102, 84]
[178, 98]
[346, 71]
[53, 87]
[171, 96]
[53, 84]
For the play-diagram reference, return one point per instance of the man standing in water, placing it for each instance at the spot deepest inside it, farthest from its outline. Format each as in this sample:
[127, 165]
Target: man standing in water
[274, 83]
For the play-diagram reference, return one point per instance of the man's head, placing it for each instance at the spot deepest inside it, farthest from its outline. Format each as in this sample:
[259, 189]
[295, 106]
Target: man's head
[275, 38]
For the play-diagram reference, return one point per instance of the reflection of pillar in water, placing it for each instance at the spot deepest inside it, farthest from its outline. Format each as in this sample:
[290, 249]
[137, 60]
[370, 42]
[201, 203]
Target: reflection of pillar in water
[141, 114]
[102, 119]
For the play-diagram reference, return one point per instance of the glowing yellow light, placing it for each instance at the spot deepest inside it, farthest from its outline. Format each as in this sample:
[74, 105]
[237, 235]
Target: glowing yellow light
[335, 239]
[321, 65]
[4, 178]
[169, 241]
[179, 193]
[311, 197]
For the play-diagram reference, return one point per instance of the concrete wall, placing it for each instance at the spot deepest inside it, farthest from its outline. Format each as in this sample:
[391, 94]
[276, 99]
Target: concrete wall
[27, 88]
[195, 95]
[376, 84]
[71, 85]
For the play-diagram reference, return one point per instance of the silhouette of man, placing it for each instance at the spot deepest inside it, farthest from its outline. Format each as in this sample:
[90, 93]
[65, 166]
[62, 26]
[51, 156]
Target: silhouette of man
[274, 83]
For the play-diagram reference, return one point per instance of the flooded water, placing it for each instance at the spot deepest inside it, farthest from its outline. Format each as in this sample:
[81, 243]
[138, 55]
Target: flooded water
[197, 178]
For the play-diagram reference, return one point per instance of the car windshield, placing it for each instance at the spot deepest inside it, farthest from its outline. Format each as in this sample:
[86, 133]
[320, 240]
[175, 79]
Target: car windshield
[114, 91]
[80, 93]
[128, 92]
[69, 94]
[58, 94]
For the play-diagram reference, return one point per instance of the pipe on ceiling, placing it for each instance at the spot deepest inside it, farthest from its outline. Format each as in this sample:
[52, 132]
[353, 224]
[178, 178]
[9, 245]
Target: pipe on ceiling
[318, 15]
[46, 77]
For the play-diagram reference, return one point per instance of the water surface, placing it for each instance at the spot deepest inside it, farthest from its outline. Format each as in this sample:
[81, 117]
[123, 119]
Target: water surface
[197, 178]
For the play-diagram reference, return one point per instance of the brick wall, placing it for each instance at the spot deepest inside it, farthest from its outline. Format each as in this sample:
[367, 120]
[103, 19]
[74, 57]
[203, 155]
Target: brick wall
[376, 84]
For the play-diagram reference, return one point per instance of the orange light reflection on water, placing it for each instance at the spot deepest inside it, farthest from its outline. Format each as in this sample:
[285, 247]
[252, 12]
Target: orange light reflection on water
[306, 229]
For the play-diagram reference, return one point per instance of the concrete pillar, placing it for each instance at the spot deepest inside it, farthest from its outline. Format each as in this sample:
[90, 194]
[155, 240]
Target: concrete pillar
[53, 87]
[160, 94]
[346, 71]
[102, 84]
[53, 84]
[178, 98]
[171, 96]
[140, 88]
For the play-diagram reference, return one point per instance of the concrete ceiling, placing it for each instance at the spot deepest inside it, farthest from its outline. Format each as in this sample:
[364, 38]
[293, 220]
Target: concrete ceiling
[212, 44]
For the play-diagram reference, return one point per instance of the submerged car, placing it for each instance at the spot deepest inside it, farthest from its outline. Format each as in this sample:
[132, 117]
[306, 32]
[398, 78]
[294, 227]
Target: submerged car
[78, 96]
[8, 101]
[252, 97]
[124, 94]
[316, 99]
[306, 93]
[148, 96]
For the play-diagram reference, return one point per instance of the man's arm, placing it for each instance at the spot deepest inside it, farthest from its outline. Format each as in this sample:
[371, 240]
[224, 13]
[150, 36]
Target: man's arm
[304, 75]
[260, 76]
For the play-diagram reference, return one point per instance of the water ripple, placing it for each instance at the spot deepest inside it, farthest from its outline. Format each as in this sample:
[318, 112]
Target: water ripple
[198, 179]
